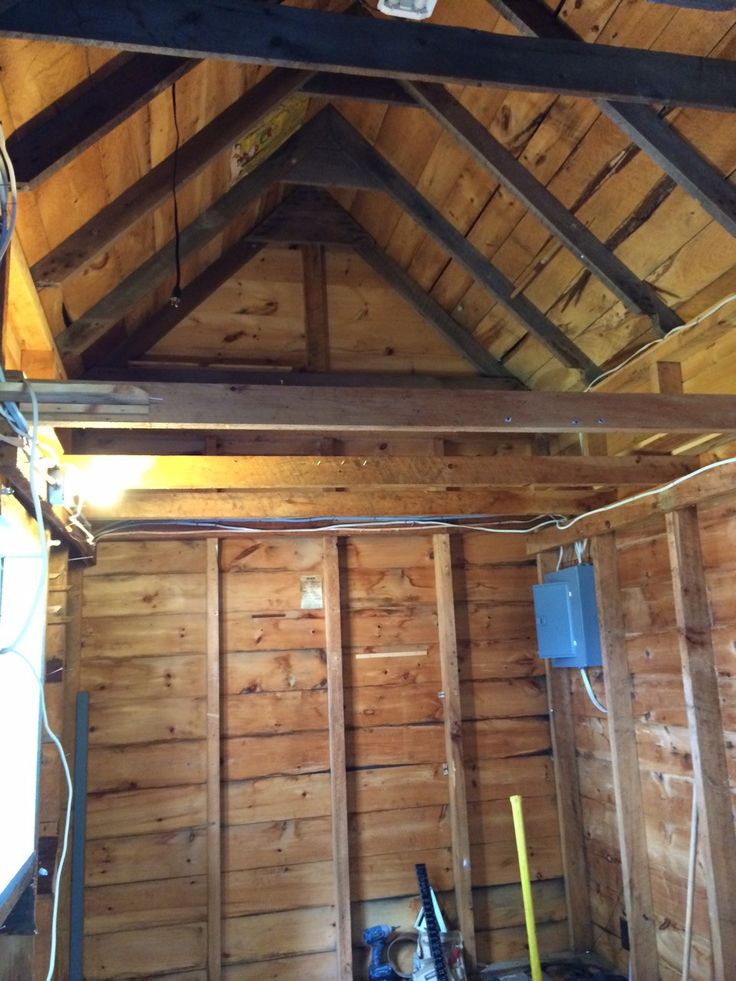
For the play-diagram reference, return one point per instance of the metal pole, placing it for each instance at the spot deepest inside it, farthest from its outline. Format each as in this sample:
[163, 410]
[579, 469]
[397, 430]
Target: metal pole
[76, 908]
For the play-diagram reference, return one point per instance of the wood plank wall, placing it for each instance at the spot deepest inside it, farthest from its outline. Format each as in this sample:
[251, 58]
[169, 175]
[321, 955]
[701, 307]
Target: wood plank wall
[144, 664]
[663, 742]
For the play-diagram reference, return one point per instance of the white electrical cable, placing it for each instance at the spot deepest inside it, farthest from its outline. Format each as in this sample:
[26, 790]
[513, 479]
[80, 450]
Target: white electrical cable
[677, 330]
[566, 523]
[13, 649]
[591, 694]
[690, 901]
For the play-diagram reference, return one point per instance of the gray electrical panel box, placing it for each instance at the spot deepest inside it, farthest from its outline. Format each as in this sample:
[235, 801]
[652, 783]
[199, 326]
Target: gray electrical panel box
[566, 614]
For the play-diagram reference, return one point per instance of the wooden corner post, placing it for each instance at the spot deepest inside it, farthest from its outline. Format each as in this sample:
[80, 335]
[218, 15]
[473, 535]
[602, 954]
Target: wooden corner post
[702, 703]
[462, 873]
[338, 761]
[625, 764]
[567, 785]
[214, 862]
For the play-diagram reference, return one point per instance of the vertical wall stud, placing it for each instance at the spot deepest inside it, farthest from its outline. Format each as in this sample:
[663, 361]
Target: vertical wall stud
[338, 778]
[569, 807]
[316, 317]
[462, 872]
[625, 764]
[214, 862]
[702, 702]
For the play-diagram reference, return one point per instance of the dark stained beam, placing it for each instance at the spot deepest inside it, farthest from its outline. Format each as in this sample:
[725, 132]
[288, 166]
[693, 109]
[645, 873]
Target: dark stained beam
[644, 126]
[477, 141]
[454, 242]
[88, 112]
[249, 31]
[100, 319]
[146, 194]
[316, 312]
[143, 371]
[359, 88]
[308, 216]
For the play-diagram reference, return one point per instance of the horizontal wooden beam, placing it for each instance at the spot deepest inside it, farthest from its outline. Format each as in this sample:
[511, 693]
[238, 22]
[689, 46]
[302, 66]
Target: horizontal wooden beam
[257, 505]
[303, 472]
[704, 488]
[359, 88]
[88, 112]
[642, 124]
[250, 31]
[462, 251]
[285, 377]
[473, 136]
[157, 405]
[151, 190]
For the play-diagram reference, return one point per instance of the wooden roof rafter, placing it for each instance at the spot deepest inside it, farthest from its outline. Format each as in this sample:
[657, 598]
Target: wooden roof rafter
[642, 124]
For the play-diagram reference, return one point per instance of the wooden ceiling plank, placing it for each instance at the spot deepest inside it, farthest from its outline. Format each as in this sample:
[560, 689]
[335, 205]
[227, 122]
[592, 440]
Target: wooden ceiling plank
[143, 338]
[250, 31]
[436, 225]
[410, 291]
[643, 125]
[175, 472]
[637, 294]
[88, 112]
[157, 405]
[148, 193]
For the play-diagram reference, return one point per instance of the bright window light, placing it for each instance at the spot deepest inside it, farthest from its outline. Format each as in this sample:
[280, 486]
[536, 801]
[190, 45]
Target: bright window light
[20, 568]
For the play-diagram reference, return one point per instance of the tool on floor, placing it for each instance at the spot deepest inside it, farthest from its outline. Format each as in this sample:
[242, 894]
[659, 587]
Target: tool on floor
[376, 937]
[428, 922]
[517, 810]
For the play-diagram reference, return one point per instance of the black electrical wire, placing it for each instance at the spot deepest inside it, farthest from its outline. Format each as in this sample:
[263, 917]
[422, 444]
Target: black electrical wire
[176, 293]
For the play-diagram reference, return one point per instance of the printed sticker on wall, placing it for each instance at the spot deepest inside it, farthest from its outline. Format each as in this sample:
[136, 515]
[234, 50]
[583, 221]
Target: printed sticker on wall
[311, 593]
[260, 143]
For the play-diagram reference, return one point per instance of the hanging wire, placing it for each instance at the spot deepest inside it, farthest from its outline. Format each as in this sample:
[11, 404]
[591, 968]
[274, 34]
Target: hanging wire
[175, 299]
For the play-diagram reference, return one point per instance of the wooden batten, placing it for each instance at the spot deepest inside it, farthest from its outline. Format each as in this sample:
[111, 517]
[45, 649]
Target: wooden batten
[625, 764]
[705, 724]
[569, 805]
[337, 757]
[453, 728]
[214, 846]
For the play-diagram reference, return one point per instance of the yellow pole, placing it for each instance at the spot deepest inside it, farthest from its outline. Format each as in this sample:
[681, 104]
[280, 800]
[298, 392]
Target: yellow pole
[526, 887]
